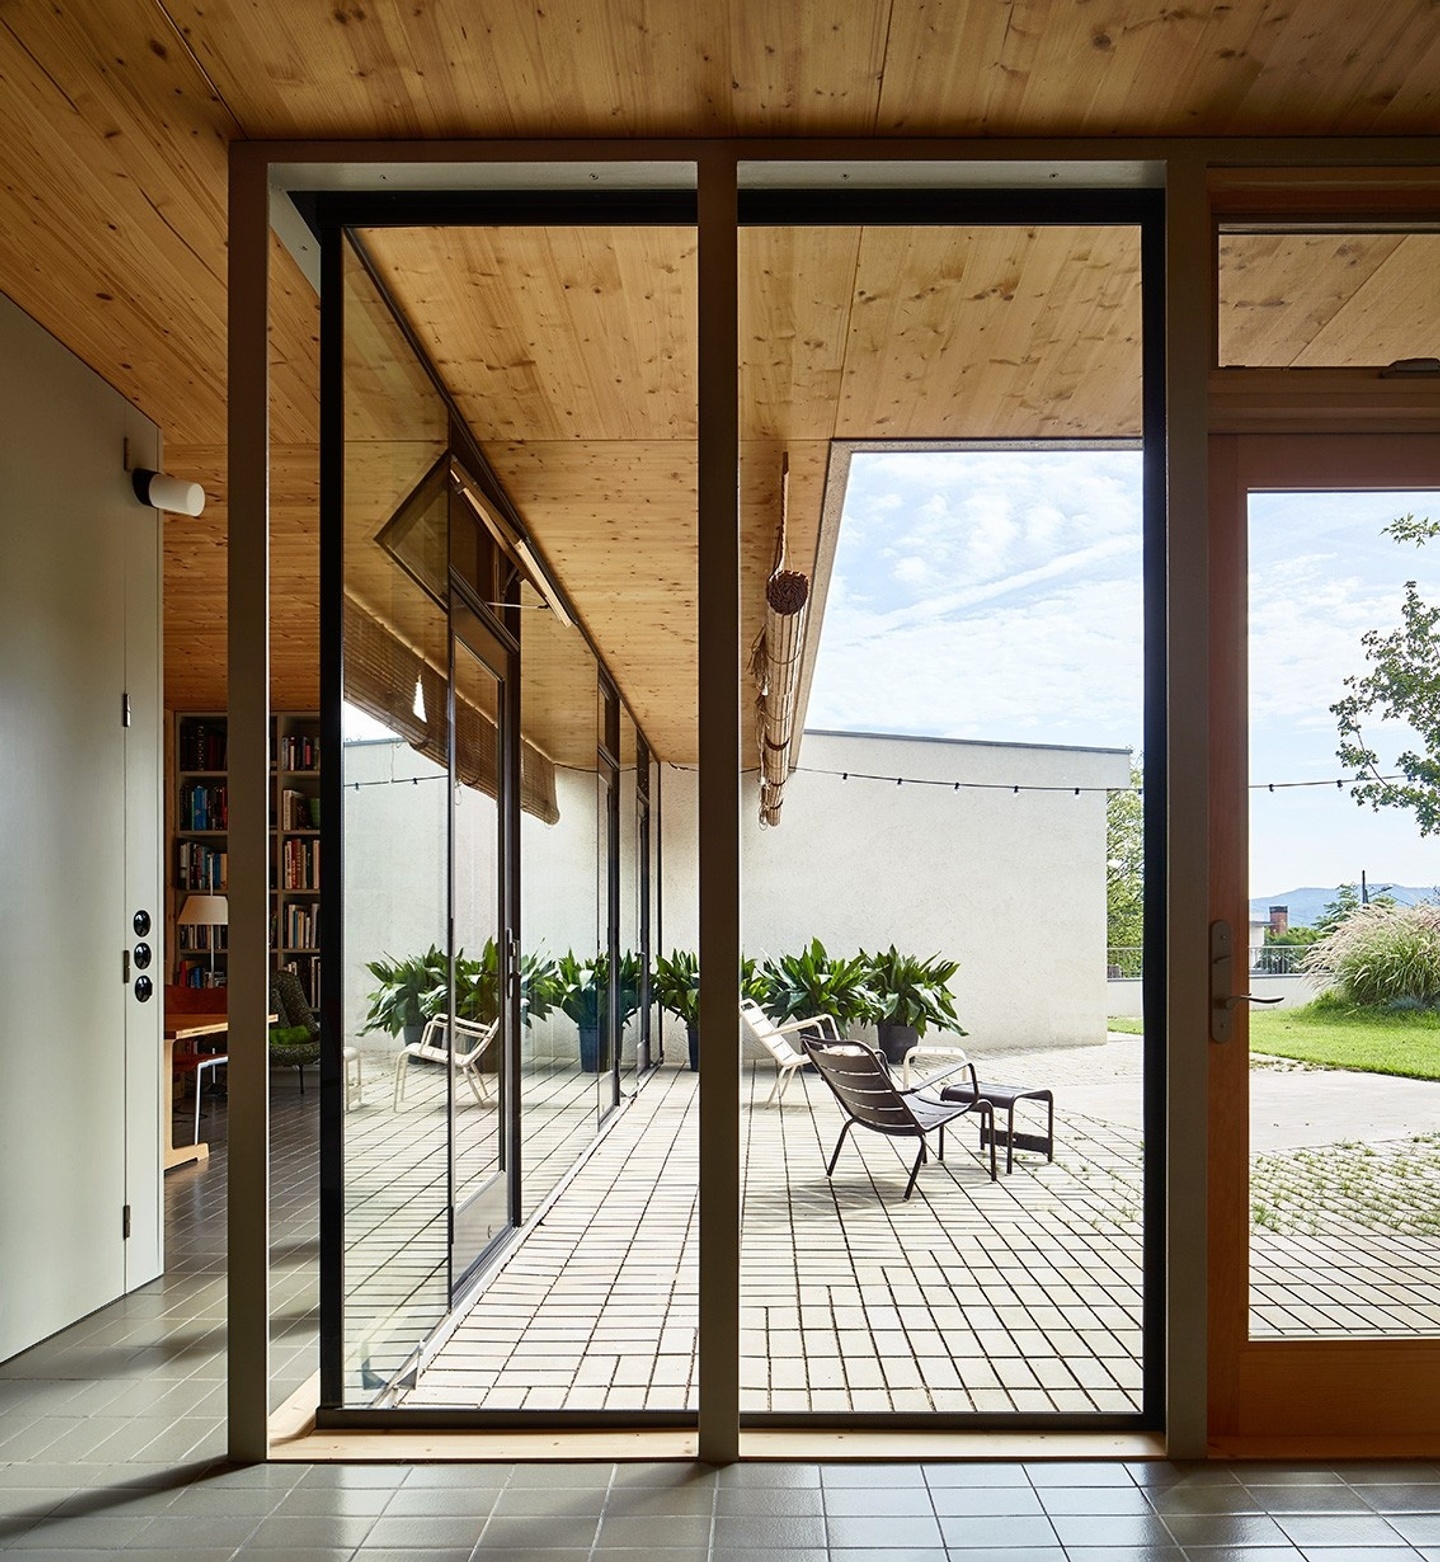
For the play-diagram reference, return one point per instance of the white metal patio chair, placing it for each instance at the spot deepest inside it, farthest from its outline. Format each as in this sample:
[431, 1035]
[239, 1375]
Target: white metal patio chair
[776, 1041]
[431, 1048]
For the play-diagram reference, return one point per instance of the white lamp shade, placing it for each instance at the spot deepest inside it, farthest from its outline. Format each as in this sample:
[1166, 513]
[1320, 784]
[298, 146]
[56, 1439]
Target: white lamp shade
[205, 911]
[163, 492]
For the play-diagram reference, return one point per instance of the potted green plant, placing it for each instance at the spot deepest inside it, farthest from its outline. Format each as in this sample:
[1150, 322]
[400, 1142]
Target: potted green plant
[407, 993]
[580, 996]
[812, 983]
[477, 986]
[580, 991]
[906, 995]
[676, 988]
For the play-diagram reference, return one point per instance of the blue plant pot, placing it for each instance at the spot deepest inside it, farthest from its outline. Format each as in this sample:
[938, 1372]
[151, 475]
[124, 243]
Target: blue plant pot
[590, 1048]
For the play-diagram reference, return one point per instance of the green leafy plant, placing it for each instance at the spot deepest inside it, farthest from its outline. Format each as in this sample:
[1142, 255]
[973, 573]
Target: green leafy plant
[905, 990]
[409, 992]
[676, 986]
[477, 986]
[1381, 954]
[806, 985]
[577, 992]
[539, 987]
[579, 987]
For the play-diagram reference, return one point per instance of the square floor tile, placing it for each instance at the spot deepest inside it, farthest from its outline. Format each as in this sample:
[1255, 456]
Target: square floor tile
[1029, 1532]
[1338, 1529]
[1219, 1529]
[857, 1533]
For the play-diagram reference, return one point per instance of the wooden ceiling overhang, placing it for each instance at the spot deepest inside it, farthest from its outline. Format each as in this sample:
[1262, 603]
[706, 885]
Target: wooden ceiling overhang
[571, 353]
[570, 350]
[116, 119]
[116, 122]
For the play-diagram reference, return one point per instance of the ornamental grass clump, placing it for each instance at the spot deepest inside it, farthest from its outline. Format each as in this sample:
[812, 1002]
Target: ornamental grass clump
[1383, 955]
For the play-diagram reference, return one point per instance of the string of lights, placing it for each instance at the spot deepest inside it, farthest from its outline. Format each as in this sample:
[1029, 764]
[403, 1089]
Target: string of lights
[1338, 782]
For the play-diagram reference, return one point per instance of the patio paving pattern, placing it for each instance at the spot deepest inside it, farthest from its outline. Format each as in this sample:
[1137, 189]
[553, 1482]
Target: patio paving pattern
[1020, 1295]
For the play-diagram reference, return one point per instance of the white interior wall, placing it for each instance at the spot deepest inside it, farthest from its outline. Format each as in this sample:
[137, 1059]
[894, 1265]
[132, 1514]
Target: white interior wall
[80, 1055]
[1010, 885]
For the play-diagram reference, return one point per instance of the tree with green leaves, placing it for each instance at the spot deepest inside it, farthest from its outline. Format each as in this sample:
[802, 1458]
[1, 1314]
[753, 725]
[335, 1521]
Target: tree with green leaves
[1125, 864]
[1402, 683]
[1346, 903]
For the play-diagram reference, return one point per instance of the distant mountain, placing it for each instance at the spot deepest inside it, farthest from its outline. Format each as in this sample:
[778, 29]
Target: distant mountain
[1305, 905]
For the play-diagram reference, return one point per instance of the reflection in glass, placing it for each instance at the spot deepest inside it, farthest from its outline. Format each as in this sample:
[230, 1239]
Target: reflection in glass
[395, 761]
[475, 1042]
[560, 1005]
[1344, 1161]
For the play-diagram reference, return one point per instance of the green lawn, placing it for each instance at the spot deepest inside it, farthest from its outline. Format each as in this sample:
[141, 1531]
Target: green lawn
[1333, 1037]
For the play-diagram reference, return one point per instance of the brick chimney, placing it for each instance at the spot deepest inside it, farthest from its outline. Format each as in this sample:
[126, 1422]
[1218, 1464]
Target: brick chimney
[1279, 919]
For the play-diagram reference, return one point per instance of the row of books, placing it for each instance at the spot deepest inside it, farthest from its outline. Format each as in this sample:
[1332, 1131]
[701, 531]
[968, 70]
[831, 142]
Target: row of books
[201, 867]
[204, 806]
[302, 926]
[193, 975]
[295, 811]
[308, 972]
[201, 745]
[300, 865]
[300, 751]
[190, 936]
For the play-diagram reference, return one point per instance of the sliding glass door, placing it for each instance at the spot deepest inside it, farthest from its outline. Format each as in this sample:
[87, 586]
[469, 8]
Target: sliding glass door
[480, 1036]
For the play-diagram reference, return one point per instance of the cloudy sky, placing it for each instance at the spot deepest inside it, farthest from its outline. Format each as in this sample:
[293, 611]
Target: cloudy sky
[998, 596]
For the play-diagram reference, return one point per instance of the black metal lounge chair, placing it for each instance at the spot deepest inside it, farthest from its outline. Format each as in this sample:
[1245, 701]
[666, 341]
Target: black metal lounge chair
[862, 1083]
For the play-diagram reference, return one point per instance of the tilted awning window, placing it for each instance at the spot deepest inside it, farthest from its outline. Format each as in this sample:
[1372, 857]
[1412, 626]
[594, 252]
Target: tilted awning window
[398, 687]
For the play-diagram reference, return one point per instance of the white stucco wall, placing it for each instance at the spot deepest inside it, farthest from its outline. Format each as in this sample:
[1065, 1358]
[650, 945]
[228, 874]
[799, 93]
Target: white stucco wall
[1010, 885]
[395, 884]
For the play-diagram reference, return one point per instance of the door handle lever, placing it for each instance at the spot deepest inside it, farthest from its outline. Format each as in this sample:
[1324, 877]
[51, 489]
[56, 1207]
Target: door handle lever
[1223, 999]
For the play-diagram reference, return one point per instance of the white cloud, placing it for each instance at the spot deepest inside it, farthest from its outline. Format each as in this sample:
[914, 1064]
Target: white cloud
[913, 571]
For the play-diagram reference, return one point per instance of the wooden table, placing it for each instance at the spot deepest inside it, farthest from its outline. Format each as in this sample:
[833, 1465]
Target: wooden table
[183, 1025]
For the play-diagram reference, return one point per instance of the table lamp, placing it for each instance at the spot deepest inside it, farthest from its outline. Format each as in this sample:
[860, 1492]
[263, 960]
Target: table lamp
[210, 911]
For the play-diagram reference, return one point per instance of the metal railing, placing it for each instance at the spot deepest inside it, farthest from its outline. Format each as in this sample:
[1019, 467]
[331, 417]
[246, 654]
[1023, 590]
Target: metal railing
[1277, 959]
[1125, 961]
[1265, 960]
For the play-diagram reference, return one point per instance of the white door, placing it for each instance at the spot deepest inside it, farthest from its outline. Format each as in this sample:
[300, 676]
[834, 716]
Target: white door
[73, 536]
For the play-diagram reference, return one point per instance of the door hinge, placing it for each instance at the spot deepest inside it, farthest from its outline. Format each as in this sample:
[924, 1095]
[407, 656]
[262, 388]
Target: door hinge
[125, 966]
[125, 1222]
[125, 710]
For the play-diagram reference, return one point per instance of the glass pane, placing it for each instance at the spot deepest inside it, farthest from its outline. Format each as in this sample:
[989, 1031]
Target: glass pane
[939, 875]
[609, 1000]
[395, 765]
[559, 853]
[1327, 300]
[630, 983]
[591, 1304]
[1344, 923]
[476, 1043]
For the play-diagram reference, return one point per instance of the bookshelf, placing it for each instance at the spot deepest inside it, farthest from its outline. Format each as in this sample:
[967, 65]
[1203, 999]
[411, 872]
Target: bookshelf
[197, 802]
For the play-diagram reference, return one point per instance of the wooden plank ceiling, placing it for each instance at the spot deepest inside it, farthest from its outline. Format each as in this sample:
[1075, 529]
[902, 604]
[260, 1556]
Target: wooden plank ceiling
[115, 116]
[571, 353]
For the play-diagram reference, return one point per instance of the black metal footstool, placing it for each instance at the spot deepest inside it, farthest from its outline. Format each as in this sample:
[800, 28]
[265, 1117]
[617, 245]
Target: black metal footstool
[1002, 1098]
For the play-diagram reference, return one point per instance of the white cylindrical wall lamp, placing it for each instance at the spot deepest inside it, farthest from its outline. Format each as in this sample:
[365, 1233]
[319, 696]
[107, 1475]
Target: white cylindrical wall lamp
[162, 492]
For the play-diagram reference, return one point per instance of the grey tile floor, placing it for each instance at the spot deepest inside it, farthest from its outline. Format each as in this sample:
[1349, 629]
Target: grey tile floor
[111, 1444]
[804, 1512]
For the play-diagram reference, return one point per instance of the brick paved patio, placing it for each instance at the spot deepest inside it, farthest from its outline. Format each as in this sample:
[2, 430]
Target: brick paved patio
[1018, 1296]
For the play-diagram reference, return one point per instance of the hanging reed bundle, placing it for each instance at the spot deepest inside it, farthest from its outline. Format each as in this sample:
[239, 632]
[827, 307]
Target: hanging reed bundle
[776, 667]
